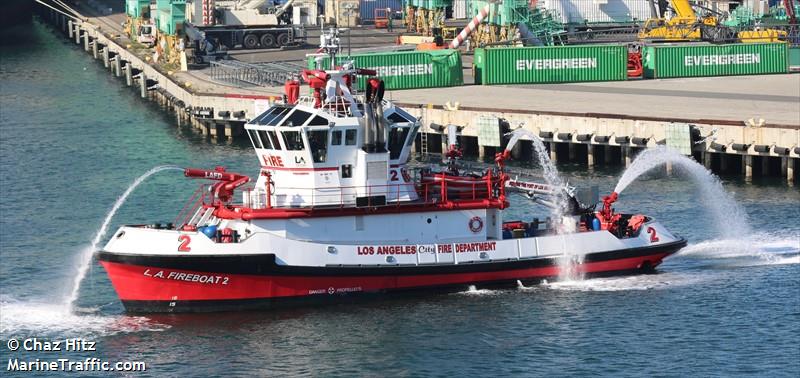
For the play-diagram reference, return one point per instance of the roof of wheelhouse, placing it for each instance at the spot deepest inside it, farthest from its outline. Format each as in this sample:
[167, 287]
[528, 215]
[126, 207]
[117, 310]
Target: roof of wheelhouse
[303, 115]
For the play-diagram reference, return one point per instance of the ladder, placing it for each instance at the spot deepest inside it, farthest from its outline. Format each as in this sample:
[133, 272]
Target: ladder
[423, 136]
[423, 140]
[201, 216]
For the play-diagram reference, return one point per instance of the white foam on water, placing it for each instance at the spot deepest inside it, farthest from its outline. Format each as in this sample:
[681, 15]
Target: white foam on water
[44, 318]
[628, 283]
[85, 257]
[472, 290]
[729, 219]
[752, 250]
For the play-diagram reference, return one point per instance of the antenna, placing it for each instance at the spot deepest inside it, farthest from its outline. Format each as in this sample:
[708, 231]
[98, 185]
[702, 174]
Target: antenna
[330, 44]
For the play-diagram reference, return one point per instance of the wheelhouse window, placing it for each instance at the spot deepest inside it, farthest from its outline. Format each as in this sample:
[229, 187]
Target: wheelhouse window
[274, 139]
[400, 115]
[413, 136]
[265, 139]
[397, 139]
[254, 138]
[318, 121]
[272, 116]
[318, 142]
[350, 137]
[336, 138]
[396, 118]
[293, 140]
[297, 118]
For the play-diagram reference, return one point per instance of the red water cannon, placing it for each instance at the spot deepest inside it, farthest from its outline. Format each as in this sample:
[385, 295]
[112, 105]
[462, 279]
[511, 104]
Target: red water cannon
[375, 90]
[607, 202]
[453, 152]
[501, 157]
[292, 89]
[316, 79]
[229, 181]
[608, 220]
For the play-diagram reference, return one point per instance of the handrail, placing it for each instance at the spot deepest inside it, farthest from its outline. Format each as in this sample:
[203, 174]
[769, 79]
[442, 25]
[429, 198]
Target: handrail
[440, 190]
[190, 207]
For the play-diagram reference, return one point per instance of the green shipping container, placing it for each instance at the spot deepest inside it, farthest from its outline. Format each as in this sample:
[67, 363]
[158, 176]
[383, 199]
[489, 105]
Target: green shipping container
[794, 57]
[408, 69]
[714, 60]
[561, 64]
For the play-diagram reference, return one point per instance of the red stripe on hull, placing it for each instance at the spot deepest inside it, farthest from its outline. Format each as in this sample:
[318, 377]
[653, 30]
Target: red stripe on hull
[140, 283]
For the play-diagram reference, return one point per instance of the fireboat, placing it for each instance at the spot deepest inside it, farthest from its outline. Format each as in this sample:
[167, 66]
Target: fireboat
[337, 212]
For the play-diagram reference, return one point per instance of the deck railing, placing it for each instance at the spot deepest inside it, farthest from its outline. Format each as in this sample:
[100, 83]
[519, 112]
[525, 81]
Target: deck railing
[434, 188]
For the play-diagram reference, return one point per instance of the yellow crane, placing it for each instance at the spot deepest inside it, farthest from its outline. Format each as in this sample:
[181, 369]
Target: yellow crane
[687, 26]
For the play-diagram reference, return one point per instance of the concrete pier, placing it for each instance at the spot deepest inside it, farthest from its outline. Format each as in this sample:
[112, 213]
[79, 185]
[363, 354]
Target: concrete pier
[568, 112]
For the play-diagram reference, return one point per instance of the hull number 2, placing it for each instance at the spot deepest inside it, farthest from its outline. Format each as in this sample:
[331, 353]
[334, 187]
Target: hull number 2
[184, 243]
[653, 236]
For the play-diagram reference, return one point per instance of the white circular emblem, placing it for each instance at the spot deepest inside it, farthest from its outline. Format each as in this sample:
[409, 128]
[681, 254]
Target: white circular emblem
[331, 290]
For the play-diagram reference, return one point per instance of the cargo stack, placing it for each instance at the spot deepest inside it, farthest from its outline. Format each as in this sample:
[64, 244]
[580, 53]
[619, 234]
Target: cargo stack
[407, 70]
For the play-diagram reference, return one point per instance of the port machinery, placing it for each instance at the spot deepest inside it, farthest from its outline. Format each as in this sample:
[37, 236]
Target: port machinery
[337, 212]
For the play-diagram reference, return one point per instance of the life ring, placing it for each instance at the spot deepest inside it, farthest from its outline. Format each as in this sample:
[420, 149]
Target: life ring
[476, 224]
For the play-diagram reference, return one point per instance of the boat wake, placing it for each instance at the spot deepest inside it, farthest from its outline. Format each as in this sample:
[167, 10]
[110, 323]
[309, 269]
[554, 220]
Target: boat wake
[630, 283]
[43, 318]
[472, 290]
[753, 250]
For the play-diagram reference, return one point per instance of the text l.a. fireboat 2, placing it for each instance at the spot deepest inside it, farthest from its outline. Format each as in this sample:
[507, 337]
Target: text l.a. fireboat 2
[336, 213]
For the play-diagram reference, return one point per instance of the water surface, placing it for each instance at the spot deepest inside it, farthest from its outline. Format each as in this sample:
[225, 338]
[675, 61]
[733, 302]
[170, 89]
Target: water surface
[72, 139]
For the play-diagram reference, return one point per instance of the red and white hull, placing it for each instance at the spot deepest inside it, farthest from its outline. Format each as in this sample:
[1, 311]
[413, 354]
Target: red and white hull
[198, 283]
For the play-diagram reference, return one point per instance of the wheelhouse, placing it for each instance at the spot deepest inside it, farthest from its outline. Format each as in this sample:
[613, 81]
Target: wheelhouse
[316, 156]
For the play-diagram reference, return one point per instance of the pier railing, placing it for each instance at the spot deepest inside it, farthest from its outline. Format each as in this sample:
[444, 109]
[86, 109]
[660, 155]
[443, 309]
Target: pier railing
[254, 74]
